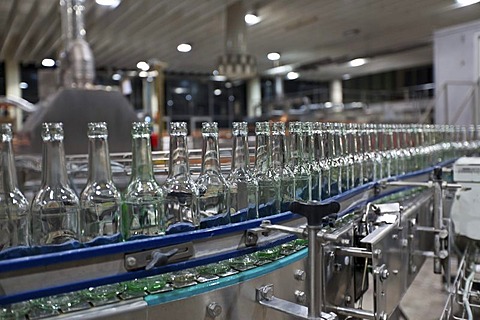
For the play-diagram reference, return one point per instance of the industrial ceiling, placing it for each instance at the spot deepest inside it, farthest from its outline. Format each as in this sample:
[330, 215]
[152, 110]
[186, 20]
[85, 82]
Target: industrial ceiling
[314, 37]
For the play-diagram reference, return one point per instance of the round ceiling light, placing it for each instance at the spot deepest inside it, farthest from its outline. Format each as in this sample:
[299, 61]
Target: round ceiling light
[184, 47]
[467, 2]
[47, 62]
[142, 65]
[357, 62]
[273, 56]
[252, 18]
[292, 75]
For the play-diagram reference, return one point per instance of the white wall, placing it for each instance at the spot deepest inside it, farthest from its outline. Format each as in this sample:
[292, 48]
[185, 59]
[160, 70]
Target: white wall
[456, 60]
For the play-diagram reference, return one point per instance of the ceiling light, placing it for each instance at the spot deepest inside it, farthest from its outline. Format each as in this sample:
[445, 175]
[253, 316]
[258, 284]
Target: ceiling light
[292, 75]
[184, 47]
[357, 62]
[47, 62]
[116, 77]
[143, 74]
[23, 85]
[273, 56]
[142, 65]
[217, 92]
[252, 18]
[467, 2]
[346, 76]
[108, 3]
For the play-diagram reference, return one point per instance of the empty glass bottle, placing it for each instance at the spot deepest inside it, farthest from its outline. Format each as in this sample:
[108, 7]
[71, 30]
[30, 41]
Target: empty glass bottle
[55, 207]
[310, 162]
[242, 184]
[181, 193]
[13, 205]
[100, 200]
[268, 182]
[335, 160]
[212, 201]
[296, 163]
[279, 167]
[320, 161]
[143, 212]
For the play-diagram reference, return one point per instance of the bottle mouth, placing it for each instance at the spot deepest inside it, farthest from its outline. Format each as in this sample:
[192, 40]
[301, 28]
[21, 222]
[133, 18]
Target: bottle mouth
[178, 129]
[141, 129]
[240, 129]
[52, 131]
[262, 127]
[278, 128]
[97, 130]
[209, 129]
[6, 132]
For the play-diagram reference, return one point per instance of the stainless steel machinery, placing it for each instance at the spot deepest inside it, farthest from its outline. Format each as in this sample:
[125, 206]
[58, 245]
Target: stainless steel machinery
[369, 241]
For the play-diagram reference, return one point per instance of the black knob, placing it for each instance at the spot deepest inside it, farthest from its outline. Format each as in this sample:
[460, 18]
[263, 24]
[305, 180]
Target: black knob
[315, 211]
[437, 173]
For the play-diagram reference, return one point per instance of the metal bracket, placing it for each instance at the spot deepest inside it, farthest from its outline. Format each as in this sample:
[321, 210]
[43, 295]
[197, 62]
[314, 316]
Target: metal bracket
[264, 296]
[140, 260]
[251, 235]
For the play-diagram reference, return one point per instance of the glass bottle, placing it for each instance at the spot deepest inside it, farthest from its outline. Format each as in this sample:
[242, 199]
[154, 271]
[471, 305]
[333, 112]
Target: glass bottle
[354, 155]
[335, 160]
[374, 137]
[242, 184]
[212, 202]
[279, 166]
[100, 200]
[13, 204]
[320, 163]
[312, 157]
[268, 182]
[368, 158]
[143, 212]
[301, 173]
[55, 207]
[181, 193]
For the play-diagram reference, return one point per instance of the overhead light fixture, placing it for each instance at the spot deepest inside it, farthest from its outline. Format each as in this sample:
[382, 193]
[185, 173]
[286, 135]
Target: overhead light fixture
[116, 77]
[273, 56]
[279, 70]
[252, 18]
[346, 76]
[142, 65]
[23, 85]
[108, 3]
[464, 3]
[184, 47]
[217, 92]
[292, 75]
[47, 62]
[357, 62]
[143, 74]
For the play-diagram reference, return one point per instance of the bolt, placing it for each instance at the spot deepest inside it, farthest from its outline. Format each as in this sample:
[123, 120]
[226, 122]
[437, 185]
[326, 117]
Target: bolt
[345, 242]
[377, 254]
[299, 275]
[214, 309]
[267, 292]
[348, 299]
[385, 274]
[300, 296]
[394, 236]
[131, 261]
[404, 243]
[395, 271]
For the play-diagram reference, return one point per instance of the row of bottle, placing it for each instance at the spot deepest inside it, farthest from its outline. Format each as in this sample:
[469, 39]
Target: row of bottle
[317, 161]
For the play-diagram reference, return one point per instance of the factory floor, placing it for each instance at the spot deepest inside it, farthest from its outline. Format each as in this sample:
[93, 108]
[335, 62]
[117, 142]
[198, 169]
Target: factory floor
[426, 297]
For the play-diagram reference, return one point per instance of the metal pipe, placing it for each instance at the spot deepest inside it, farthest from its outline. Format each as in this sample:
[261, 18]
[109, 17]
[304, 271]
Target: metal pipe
[466, 292]
[428, 184]
[352, 312]
[315, 273]
[437, 224]
[354, 252]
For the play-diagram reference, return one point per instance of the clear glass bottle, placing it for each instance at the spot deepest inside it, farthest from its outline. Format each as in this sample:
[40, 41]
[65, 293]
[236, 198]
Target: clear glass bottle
[374, 136]
[55, 207]
[309, 161]
[320, 163]
[268, 182]
[100, 201]
[181, 192]
[354, 155]
[368, 158]
[14, 209]
[301, 173]
[335, 159]
[212, 201]
[242, 184]
[279, 166]
[143, 212]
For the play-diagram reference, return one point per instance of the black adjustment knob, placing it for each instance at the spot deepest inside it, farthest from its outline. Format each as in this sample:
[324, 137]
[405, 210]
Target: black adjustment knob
[315, 211]
[437, 173]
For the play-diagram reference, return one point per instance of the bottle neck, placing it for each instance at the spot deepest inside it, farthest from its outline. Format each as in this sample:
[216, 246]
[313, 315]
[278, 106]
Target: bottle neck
[178, 165]
[337, 146]
[319, 151]
[8, 172]
[296, 149]
[210, 154]
[54, 169]
[142, 166]
[240, 157]
[278, 151]
[262, 153]
[98, 160]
